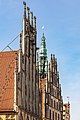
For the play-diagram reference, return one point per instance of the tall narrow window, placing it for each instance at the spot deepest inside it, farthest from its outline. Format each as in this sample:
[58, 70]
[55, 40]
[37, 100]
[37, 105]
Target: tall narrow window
[58, 116]
[50, 114]
[53, 115]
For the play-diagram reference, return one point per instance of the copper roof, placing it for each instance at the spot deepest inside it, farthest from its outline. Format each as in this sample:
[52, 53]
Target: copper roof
[7, 68]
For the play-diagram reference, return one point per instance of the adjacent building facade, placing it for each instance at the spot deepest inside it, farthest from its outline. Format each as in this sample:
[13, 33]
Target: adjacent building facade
[66, 111]
[29, 85]
[50, 86]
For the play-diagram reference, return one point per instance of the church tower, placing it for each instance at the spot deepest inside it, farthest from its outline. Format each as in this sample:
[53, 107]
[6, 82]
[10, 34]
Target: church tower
[43, 64]
[51, 99]
[43, 72]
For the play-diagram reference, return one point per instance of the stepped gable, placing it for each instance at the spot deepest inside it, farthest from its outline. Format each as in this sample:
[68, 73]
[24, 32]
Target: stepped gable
[7, 69]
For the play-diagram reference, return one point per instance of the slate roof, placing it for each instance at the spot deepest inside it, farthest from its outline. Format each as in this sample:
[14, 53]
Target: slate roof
[7, 68]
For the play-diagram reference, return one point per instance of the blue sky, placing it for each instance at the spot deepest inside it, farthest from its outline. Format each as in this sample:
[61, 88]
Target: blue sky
[61, 19]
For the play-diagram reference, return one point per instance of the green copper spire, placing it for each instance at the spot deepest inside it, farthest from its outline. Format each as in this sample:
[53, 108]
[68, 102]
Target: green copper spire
[43, 64]
[43, 50]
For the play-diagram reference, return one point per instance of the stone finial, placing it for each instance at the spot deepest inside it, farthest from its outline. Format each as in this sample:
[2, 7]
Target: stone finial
[28, 9]
[31, 21]
[24, 3]
[51, 56]
[35, 22]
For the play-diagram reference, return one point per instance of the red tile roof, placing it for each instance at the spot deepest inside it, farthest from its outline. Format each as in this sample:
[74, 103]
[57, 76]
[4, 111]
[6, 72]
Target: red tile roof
[7, 68]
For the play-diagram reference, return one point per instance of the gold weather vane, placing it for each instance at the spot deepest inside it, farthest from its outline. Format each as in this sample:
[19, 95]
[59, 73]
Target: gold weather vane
[68, 98]
[43, 28]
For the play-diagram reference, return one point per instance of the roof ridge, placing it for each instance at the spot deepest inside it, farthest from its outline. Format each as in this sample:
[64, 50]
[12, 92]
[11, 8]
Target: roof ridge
[9, 51]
